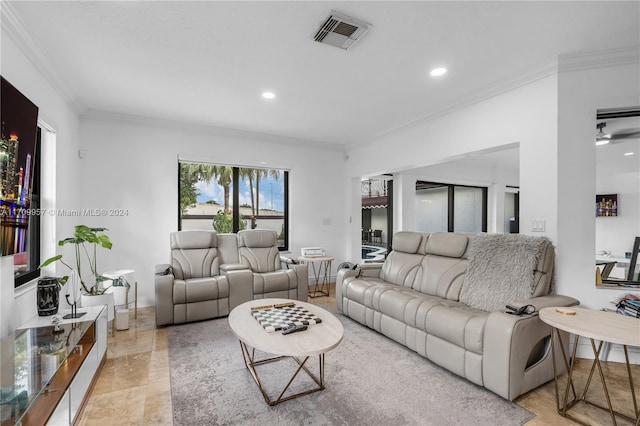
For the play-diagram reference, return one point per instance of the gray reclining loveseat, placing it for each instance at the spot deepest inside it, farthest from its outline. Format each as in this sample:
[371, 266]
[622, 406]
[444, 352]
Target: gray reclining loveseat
[210, 274]
[443, 295]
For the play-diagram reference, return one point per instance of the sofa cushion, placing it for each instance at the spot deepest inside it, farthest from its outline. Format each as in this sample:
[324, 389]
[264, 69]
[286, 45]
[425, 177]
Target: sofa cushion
[258, 250]
[441, 276]
[365, 290]
[270, 282]
[460, 325]
[401, 268]
[408, 305]
[200, 289]
[195, 263]
[257, 238]
[446, 244]
[502, 269]
[406, 242]
[187, 240]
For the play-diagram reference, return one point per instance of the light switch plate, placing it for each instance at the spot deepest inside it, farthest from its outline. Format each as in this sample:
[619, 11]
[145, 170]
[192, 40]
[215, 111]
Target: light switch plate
[538, 225]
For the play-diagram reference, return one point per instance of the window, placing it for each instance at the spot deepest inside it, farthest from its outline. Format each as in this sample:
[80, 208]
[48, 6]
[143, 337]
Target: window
[229, 199]
[442, 207]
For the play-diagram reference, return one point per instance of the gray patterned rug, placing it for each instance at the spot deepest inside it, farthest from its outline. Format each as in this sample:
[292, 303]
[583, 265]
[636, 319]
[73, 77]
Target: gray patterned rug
[369, 379]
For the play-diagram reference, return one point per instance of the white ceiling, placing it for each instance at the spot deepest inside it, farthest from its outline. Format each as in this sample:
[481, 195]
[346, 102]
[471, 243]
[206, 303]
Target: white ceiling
[207, 62]
[611, 159]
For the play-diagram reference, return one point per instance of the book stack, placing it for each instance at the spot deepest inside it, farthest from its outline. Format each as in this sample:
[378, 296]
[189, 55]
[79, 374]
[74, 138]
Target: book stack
[629, 307]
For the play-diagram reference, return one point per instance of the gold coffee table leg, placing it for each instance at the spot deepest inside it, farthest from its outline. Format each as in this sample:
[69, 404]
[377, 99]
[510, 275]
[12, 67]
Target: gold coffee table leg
[251, 362]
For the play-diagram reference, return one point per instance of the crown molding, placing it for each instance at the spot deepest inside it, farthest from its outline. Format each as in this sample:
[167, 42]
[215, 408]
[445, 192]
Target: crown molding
[602, 58]
[107, 116]
[13, 27]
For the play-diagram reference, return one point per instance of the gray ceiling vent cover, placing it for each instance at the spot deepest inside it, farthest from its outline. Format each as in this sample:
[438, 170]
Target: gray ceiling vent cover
[341, 31]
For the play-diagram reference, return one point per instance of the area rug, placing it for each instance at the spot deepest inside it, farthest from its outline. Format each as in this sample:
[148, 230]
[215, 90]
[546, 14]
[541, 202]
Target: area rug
[369, 380]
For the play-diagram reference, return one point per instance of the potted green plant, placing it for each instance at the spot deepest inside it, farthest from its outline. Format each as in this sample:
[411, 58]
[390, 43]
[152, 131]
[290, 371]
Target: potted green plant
[86, 241]
[84, 236]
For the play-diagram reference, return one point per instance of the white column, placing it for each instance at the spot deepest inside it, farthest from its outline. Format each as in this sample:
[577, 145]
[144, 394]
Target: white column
[404, 202]
[495, 208]
[354, 250]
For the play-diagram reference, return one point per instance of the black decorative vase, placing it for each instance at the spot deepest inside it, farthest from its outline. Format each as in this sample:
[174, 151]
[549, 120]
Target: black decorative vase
[48, 296]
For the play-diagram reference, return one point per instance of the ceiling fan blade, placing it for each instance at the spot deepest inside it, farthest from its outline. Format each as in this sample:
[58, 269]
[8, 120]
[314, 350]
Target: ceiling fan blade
[625, 134]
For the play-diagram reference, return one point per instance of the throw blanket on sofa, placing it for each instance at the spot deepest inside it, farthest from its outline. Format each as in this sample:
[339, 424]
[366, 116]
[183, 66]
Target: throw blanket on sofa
[501, 270]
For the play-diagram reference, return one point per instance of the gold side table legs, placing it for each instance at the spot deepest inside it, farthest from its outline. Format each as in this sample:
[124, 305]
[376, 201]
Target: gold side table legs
[251, 363]
[569, 364]
[321, 276]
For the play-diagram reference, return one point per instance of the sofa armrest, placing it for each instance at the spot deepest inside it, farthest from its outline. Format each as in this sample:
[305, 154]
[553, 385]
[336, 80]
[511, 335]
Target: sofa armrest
[287, 261]
[164, 294]
[302, 272]
[370, 269]
[547, 301]
[226, 267]
[163, 269]
[240, 283]
[517, 349]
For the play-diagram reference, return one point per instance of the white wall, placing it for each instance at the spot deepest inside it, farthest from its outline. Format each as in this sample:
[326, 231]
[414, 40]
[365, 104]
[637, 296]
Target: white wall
[55, 111]
[132, 164]
[526, 115]
[553, 119]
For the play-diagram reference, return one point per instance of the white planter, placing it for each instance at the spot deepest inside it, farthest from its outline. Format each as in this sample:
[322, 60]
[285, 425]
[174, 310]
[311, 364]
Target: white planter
[87, 300]
[119, 293]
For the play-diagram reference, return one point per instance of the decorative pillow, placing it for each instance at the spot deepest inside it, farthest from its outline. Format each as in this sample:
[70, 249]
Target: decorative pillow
[501, 270]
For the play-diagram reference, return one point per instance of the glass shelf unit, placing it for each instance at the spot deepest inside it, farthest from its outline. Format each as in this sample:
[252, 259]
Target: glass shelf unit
[39, 362]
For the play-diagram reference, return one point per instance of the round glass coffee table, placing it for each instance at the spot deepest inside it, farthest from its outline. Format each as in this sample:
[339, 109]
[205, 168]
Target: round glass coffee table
[317, 339]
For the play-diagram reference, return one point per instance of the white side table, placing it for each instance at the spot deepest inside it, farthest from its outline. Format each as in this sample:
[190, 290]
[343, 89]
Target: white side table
[595, 325]
[321, 273]
[129, 275]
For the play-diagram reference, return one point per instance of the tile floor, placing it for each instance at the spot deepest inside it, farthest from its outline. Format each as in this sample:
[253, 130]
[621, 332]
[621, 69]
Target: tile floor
[133, 387]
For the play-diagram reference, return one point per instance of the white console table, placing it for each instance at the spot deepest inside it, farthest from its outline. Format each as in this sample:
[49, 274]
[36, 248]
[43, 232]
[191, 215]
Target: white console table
[48, 370]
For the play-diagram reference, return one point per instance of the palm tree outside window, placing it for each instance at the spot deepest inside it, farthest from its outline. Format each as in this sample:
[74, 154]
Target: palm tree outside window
[229, 199]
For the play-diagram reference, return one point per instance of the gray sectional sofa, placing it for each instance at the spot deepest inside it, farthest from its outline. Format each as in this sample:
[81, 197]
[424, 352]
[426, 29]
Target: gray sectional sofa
[443, 295]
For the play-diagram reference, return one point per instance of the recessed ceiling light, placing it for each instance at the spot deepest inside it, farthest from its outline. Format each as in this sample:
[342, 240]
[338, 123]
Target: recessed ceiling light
[437, 72]
[602, 142]
[268, 95]
[628, 153]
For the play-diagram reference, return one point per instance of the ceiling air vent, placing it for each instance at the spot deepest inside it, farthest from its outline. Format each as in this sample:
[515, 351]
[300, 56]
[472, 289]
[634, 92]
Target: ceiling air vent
[341, 31]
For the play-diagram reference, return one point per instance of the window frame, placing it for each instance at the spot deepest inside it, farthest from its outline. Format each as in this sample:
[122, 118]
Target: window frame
[451, 200]
[235, 194]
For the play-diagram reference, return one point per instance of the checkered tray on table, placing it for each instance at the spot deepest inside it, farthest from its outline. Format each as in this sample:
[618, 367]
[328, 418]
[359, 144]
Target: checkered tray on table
[278, 317]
